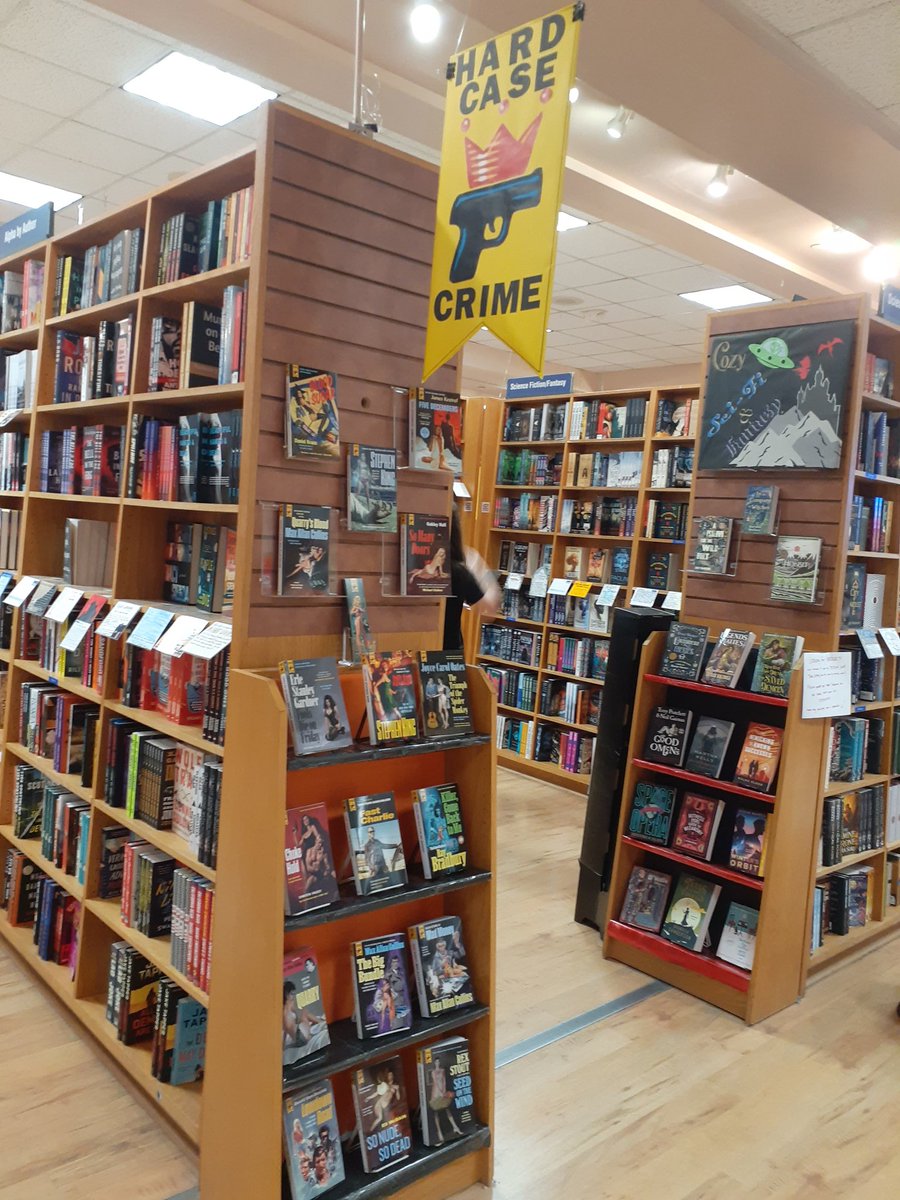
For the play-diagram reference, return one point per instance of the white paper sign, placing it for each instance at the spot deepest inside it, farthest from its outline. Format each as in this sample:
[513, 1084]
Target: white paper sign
[560, 587]
[868, 639]
[644, 597]
[210, 642]
[179, 632]
[63, 604]
[608, 594]
[672, 601]
[21, 592]
[149, 628]
[513, 583]
[891, 639]
[826, 685]
[118, 618]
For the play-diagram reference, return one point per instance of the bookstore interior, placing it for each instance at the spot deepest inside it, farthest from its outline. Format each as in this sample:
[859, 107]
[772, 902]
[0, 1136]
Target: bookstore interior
[480, 626]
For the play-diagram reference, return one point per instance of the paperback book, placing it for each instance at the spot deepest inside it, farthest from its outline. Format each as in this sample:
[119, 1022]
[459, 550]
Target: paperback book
[440, 966]
[709, 746]
[389, 680]
[371, 489]
[445, 694]
[303, 549]
[446, 1103]
[304, 1028]
[697, 825]
[667, 735]
[758, 762]
[645, 899]
[376, 847]
[651, 812]
[315, 705]
[728, 657]
[439, 825]
[683, 654]
[312, 1141]
[310, 880]
[796, 570]
[691, 910]
[311, 424]
[362, 641]
[382, 1114]
[380, 986]
[424, 555]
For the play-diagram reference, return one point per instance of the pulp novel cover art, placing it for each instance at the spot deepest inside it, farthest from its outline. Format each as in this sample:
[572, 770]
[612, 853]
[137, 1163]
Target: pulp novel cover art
[645, 899]
[796, 569]
[376, 847]
[445, 694]
[382, 1114]
[447, 1105]
[748, 845]
[435, 431]
[311, 424]
[698, 823]
[381, 989]
[425, 555]
[371, 489]
[709, 745]
[758, 763]
[315, 704]
[309, 876]
[442, 971]
[390, 684]
[362, 641]
[304, 1029]
[312, 1141]
[651, 812]
[303, 536]
[440, 827]
[683, 655]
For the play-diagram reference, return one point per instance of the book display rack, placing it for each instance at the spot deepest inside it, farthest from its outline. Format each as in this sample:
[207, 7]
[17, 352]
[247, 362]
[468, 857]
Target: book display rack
[603, 501]
[315, 247]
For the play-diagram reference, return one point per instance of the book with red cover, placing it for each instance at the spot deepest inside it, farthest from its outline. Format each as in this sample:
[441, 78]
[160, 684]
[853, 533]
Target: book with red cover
[697, 825]
[758, 763]
[309, 876]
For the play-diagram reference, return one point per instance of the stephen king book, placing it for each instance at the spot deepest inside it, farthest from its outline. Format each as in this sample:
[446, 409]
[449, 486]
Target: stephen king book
[382, 1114]
[651, 812]
[424, 555]
[439, 824]
[309, 877]
[435, 431]
[304, 1028]
[312, 1141]
[376, 847]
[389, 679]
[380, 985]
[371, 489]
[311, 424]
[445, 694]
[303, 544]
[315, 704]
[440, 966]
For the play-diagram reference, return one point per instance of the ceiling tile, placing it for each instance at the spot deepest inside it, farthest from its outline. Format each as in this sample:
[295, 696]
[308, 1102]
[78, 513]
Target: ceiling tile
[625, 291]
[54, 91]
[164, 170]
[863, 52]
[59, 171]
[591, 241]
[97, 147]
[146, 122]
[688, 279]
[221, 144]
[639, 262]
[578, 274]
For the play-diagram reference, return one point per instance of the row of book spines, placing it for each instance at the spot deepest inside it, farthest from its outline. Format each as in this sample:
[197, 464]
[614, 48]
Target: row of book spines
[194, 458]
[871, 522]
[218, 236]
[13, 461]
[18, 380]
[102, 273]
[852, 825]
[21, 296]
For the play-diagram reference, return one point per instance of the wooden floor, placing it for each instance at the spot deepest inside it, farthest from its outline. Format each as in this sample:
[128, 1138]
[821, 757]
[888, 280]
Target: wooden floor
[670, 1098]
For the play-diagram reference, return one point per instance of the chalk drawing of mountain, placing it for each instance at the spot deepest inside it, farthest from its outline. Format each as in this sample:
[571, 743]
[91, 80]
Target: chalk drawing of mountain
[793, 439]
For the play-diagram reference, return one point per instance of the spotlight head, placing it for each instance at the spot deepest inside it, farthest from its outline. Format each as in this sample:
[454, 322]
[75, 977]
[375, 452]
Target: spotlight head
[718, 185]
[425, 22]
[616, 126]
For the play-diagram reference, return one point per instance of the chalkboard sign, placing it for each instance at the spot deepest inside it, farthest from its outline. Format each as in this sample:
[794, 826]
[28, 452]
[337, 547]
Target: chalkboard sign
[776, 398]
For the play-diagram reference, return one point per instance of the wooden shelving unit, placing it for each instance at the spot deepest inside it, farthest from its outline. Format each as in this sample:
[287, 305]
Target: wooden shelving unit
[640, 546]
[338, 283]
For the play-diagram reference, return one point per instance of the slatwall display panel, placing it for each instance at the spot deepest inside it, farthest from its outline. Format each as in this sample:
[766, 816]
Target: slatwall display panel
[348, 243]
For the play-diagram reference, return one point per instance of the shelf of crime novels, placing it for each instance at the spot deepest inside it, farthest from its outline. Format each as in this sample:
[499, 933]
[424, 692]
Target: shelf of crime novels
[591, 500]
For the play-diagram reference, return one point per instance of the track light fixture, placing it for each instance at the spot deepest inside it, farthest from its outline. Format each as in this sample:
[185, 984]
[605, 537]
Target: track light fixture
[616, 127]
[718, 185]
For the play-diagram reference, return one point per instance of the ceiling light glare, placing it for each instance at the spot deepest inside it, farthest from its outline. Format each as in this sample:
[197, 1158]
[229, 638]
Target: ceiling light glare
[718, 185]
[616, 126]
[735, 295]
[573, 94]
[882, 263]
[425, 22]
[30, 193]
[198, 89]
[840, 241]
[566, 221]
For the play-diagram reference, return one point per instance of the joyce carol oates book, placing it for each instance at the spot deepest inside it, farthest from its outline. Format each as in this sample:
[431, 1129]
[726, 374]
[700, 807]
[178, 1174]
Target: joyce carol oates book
[651, 812]
[439, 824]
[748, 843]
[761, 510]
[304, 1028]
[389, 681]
[683, 654]
[711, 553]
[731, 651]
[311, 424]
[446, 1104]
[315, 705]
[435, 430]
[697, 825]
[310, 880]
[424, 555]
[445, 694]
[690, 912]
[376, 847]
[380, 986]
[312, 1141]
[738, 938]
[371, 489]
[382, 1114]
[796, 570]
[440, 966]
[758, 762]
[645, 899]
[303, 541]
[709, 746]
[667, 735]
[777, 654]
[361, 640]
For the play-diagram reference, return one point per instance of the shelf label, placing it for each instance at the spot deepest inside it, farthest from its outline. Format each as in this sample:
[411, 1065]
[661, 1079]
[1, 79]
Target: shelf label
[608, 594]
[826, 685]
[560, 587]
[79, 627]
[868, 639]
[62, 606]
[644, 597]
[891, 639]
[118, 619]
[513, 583]
[21, 592]
[179, 632]
[672, 602]
[149, 628]
[210, 641]
[580, 588]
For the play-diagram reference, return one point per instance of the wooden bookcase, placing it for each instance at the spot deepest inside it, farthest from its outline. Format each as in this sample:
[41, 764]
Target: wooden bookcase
[637, 542]
[338, 277]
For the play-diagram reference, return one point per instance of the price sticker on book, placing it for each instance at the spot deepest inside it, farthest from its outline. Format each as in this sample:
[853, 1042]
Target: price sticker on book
[559, 587]
[149, 628]
[21, 592]
[118, 619]
[672, 602]
[580, 588]
[608, 594]
[891, 639]
[178, 634]
[643, 597]
[868, 639]
[211, 641]
[513, 583]
[62, 606]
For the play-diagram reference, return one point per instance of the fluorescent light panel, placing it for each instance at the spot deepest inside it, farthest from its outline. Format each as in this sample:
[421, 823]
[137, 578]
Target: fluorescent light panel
[198, 89]
[32, 194]
[566, 221]
[733, 296]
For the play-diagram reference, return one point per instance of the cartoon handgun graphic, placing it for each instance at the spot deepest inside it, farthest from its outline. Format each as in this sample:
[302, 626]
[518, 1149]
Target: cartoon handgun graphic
[475, 213]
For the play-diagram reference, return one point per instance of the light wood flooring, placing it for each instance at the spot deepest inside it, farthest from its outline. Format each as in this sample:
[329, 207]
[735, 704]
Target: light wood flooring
[669, 1099]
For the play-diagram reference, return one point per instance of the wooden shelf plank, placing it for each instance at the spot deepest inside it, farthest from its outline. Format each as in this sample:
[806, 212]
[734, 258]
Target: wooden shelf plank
[163, 839]
[31, 848]
[696, 864]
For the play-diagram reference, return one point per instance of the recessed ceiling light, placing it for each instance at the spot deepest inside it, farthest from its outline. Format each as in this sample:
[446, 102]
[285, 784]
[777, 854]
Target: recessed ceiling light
[840, 241]
[32, 194]
[198, 89]
[718, 185]
[733, 296]
[425, 22]
[573, 94]
[566, 221]
[882, 263]
[616, 127]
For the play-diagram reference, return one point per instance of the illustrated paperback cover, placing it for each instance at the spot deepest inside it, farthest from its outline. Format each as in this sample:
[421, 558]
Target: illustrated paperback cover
[440, 966]
[371, 489]
[376, 847]
[683, 654]
[731, 651]
[381, 988]
[690, 912]
[439, 825]
[390, 685]
[310, 880]
[311, 423]
[304, 1029]
[738, 939]
[303, 541]
[382, 1114]
[362, 640]
[697, 825]
[425, 555]
[758, 763]
[709, 746]
[445, 694]
[315, 704]
[445, 1091]
[667, 735]
[645, 899]
[312, 1141]
[651, 812]
[748, 844]
[796, 569]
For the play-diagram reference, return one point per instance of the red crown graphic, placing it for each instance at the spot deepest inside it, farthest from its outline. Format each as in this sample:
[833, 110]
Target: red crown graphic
[503, 158]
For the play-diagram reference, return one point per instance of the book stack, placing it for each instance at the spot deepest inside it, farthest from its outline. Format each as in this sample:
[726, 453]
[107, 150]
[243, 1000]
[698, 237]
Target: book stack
[104, 272]
[219, 236]
[18, 380]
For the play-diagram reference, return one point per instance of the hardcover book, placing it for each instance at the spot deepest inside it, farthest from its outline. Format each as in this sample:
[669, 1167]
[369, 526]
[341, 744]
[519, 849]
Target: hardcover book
[761, 510]
[651, 812]
[758, 762]
[311, 423]
[445, 1091]
[304, 1028]
[738, 939]
[445, 694]
[748, 843]
[796, 570]
[310, 880]
[315, 704]
[709, 746]
[683, 654]
[439, 825]
[777, 654]
[440, 966]
[435, 430]
[711, 553]
[382, 1114]
[312, 1141]
[303, 545]
[728, 657]
[362, 641]
[645, 899]
[389, 679]
[376, 847]
[697, 825]
[667, 735]
[424, 555]
[380, 986]
[371, 489]
[691, 910]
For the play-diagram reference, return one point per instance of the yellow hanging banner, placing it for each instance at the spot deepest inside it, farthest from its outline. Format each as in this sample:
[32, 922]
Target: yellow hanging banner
[506, 125]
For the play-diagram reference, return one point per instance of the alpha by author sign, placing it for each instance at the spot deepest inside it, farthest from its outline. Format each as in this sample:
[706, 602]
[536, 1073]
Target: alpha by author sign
[506, 125]
[26, 230]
